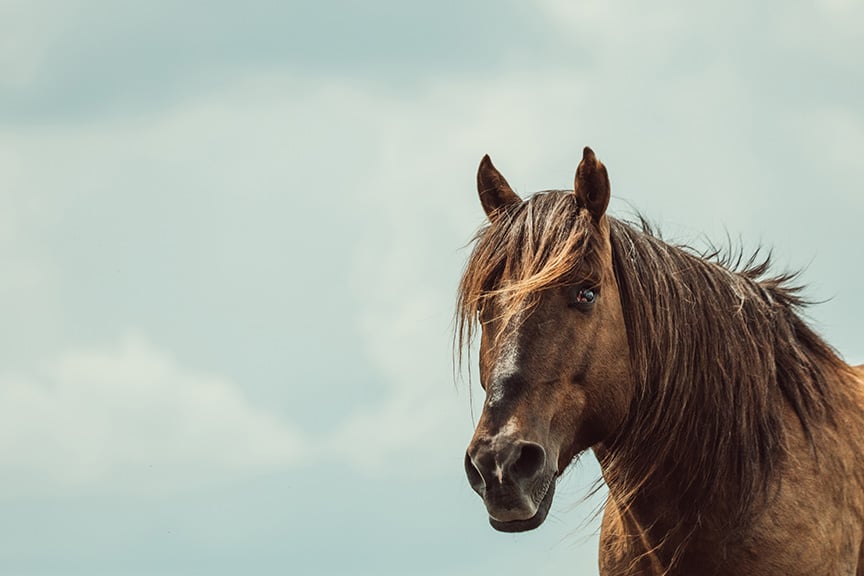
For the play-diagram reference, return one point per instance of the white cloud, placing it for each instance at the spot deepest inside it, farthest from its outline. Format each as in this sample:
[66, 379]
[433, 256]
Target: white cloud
[840, 8]
[129, 417]
[623, 23]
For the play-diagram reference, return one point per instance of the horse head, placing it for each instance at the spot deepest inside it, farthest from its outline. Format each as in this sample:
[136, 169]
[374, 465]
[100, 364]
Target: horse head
[553, 357]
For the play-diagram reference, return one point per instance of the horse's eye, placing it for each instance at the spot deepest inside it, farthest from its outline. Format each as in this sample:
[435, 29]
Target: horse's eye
[582, 298]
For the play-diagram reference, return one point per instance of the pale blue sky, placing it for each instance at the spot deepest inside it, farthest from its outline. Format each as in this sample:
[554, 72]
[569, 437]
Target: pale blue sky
[230, 237]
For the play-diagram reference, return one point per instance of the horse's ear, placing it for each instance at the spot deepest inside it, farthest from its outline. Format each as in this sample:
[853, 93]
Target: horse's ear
[592, 185]
[495, 192]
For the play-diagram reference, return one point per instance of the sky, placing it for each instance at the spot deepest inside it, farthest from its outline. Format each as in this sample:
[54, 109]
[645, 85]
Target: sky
[231, 234]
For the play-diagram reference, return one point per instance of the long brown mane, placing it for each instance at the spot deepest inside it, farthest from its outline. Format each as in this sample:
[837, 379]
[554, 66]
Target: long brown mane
[718, 352]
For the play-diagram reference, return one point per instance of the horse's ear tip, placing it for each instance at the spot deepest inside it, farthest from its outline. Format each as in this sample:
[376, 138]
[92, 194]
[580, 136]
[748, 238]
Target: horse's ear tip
[485, 160]
[587, 153]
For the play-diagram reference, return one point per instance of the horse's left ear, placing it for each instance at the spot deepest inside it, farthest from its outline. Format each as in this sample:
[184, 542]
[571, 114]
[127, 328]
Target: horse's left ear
[592, 185]
[495, 193]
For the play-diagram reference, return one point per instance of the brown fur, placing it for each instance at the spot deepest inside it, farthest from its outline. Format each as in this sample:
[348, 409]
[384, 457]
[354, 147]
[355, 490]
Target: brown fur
[730, 435]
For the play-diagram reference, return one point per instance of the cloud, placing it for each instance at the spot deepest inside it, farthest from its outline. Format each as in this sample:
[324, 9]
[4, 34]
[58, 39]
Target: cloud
[622, 23]
[129, 417]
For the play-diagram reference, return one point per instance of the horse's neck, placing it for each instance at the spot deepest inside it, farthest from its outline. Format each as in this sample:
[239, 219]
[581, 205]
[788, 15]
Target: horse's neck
[645, 537]
[654, 511]
[644, 526]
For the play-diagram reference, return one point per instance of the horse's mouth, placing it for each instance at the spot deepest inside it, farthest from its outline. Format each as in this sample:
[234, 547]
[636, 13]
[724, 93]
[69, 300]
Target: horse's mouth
[534, 521]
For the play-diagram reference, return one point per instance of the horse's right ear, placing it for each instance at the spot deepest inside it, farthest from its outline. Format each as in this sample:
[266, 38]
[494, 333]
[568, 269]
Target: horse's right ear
[592, 185]
[495, 192]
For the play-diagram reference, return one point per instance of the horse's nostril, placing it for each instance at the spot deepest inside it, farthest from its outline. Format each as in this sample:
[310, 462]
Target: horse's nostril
[530, 462]
[474, 476]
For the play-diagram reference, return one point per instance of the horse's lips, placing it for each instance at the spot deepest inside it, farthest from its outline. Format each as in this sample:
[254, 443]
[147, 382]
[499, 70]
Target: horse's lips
[530, 523]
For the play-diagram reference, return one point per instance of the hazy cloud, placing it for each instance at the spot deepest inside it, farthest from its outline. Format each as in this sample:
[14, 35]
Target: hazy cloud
[129, 417]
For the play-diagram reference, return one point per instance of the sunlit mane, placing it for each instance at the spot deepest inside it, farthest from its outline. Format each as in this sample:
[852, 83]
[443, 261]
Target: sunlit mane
[542, 242]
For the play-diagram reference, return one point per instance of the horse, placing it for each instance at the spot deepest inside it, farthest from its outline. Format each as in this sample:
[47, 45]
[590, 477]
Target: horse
[729, 434]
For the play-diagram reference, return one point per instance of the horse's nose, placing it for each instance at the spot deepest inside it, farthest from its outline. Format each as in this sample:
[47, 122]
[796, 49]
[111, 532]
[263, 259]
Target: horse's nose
[497, 462]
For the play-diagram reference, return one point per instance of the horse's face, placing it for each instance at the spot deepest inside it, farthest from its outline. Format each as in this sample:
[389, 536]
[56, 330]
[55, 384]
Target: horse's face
[556, 373]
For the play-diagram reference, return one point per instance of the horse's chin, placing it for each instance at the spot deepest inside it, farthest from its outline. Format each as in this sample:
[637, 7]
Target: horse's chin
[530, 523]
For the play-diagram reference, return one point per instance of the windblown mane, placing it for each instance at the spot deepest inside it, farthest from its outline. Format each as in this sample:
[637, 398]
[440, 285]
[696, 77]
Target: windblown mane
[543, 242]
[717, 355]
[718, 352]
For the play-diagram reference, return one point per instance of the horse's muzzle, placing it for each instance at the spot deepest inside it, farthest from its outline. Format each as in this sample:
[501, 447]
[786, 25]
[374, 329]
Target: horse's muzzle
[514, 480]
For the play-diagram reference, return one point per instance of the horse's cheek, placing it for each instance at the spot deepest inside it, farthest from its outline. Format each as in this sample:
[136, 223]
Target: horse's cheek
[567, 426]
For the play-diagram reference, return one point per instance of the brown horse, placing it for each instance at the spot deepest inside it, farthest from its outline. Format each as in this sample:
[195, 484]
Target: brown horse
[729, 434]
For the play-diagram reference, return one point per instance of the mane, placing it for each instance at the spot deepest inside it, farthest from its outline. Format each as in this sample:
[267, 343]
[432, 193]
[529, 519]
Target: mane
[718, 349]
